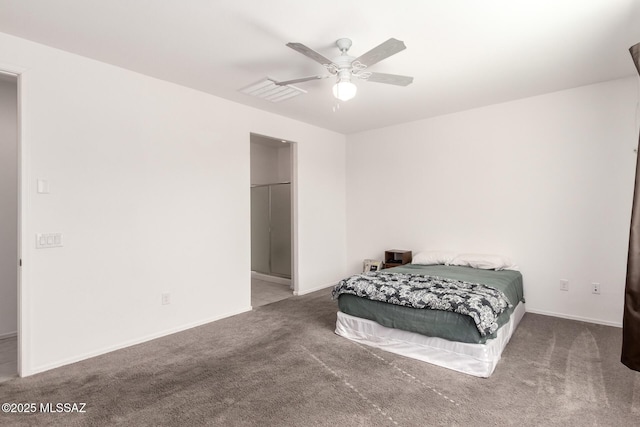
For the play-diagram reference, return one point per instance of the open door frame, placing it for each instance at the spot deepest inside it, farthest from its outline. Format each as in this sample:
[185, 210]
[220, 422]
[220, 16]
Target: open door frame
[22, 351]
[293, 164]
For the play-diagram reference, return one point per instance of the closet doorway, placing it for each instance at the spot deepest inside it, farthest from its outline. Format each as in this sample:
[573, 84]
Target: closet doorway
[9, 196]
[271, 220]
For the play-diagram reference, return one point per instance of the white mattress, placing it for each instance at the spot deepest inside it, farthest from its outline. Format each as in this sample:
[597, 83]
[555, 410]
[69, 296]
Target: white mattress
[479, 360]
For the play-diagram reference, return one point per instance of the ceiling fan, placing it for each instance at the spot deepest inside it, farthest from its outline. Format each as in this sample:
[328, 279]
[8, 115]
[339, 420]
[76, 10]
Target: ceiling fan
[346, 67]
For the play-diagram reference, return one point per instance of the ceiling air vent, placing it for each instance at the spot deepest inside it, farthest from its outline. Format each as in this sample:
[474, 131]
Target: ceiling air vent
[269, 90]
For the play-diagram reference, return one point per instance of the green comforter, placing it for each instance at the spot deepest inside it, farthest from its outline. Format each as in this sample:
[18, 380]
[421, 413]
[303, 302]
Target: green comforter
[436, 323]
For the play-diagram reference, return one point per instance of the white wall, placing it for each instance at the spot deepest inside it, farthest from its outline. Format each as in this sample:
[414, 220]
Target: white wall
[546, 180]
[8, 208]
[150, 186]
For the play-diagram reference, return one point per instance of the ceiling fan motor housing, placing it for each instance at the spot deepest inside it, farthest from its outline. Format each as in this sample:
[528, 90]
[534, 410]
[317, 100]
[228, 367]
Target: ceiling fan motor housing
[344, 44]
[345, 66]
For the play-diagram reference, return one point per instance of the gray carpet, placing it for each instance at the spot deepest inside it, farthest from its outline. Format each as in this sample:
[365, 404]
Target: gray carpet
[282, 365]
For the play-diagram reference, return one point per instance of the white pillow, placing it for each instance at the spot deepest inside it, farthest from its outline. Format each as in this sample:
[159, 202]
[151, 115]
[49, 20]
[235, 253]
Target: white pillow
[484, 261]
[433, 257]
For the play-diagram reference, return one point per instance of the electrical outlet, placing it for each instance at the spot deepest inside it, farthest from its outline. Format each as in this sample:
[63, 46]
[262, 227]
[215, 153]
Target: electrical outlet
[564, 285]
[166, 299]
[595, 288]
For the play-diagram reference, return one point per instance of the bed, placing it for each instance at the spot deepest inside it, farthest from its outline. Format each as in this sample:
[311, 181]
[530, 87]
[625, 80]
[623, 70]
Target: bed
[445, 338]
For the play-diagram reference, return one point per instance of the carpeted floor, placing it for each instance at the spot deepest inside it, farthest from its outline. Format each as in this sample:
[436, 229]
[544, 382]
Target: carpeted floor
[282, 365]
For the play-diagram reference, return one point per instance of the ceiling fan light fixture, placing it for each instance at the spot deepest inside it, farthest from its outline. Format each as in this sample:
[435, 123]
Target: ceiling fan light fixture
[344, 90]
[344, 67]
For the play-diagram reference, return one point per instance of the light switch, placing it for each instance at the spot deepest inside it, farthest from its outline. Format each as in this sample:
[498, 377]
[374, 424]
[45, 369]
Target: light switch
[48, 240]
[43, 186]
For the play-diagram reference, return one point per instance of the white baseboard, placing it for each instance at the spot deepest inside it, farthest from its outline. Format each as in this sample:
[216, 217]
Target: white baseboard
[68, 361]
[273, 279]
[8, 335]
[578, 318]
[318, 288]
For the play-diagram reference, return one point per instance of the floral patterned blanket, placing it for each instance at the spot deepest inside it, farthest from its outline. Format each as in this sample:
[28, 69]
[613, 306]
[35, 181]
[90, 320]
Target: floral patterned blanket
[481, 302]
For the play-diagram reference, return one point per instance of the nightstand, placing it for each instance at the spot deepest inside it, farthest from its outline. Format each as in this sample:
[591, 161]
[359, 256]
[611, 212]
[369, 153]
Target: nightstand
[396, 257]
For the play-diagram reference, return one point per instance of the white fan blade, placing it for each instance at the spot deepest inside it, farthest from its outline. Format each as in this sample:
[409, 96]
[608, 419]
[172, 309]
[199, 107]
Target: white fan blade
[310, 53]
[300, 80]
[391, 79]
[380, 52]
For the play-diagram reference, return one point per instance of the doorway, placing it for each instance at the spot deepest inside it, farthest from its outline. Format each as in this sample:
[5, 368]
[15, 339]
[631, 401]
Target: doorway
[9, 274]
[272, 277]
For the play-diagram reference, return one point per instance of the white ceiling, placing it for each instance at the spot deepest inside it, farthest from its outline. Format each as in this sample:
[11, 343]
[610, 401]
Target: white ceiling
[462, 53]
